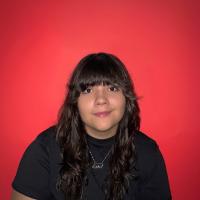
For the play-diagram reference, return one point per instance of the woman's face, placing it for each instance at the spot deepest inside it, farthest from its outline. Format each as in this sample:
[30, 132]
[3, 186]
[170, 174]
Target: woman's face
[101, 108]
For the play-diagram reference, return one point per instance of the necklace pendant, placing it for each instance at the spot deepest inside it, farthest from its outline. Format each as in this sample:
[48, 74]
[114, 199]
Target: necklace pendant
[97, 165]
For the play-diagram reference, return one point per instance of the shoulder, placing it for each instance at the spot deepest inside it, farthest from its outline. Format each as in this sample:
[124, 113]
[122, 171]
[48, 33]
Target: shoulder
[147, 153]
[42, 146]
[45, 142]
[46, 135]
[144, 142]
[145, 146]
[32, 178]
[150, 165]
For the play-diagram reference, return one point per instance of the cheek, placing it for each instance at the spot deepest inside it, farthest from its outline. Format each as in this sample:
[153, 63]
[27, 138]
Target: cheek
[80, 107]
[83, 107]
[120, 103]
[123, 105]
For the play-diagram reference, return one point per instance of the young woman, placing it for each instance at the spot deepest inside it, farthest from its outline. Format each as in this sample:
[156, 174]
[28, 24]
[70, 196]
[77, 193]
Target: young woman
[95, 151]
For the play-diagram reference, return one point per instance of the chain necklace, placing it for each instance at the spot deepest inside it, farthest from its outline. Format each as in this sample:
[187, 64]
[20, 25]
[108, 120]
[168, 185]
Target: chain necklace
[98, 165]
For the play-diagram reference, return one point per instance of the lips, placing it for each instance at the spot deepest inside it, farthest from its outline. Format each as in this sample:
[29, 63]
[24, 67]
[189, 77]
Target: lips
[102, 114]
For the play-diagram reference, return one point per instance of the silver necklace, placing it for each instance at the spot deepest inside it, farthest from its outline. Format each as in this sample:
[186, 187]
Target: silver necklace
[98, 165]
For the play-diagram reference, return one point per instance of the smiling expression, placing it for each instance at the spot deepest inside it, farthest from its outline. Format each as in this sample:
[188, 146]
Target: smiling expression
[101, 108]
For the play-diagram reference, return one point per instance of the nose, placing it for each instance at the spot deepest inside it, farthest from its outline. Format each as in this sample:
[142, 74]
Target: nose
[101, 96]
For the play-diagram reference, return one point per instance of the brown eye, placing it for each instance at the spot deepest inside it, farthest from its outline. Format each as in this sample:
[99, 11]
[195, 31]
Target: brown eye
[113, 89]
[87, 91]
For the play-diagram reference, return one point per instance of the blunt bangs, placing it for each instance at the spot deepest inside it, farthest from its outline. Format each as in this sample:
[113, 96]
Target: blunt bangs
[99, 69]
[98, 75]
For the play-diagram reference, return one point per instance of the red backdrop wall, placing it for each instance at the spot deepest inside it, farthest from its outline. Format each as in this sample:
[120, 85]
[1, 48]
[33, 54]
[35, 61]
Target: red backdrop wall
[41, 41]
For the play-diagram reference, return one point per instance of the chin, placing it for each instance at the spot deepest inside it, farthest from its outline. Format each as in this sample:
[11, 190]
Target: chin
[105, 129]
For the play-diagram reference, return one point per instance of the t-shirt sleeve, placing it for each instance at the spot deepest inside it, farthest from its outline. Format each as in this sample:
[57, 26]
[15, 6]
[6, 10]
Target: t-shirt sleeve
[156, 184]
[32, 178]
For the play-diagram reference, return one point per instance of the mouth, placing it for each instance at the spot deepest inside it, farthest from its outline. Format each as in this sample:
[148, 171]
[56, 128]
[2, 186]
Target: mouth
[102, 114]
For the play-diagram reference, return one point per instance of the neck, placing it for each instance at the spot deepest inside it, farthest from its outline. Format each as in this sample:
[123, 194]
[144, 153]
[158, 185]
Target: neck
[101, 134]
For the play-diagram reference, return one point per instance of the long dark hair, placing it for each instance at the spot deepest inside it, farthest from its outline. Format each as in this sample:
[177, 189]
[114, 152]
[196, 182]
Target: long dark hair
[95, 69]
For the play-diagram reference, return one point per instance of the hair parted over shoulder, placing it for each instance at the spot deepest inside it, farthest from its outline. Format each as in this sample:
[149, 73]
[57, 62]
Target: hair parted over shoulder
[96, 69]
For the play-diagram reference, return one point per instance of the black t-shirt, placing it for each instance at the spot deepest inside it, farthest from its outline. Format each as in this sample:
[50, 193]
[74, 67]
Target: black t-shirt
[39, 169]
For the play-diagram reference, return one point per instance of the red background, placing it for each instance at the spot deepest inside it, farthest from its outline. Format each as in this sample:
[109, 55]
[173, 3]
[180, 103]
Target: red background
[41, 42]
